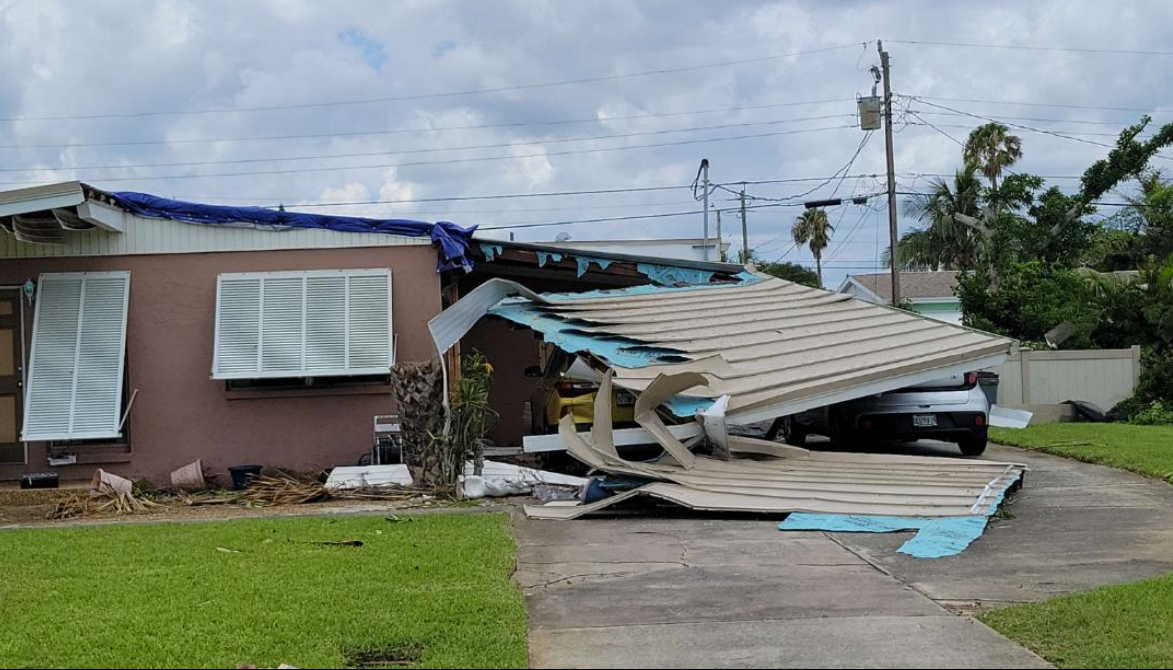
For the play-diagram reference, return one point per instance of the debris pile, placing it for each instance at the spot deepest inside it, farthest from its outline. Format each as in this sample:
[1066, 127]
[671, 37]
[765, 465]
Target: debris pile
[760, 476]
[108, 494]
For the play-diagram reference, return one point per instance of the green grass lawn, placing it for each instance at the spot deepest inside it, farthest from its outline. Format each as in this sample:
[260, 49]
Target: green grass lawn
[1127, 626]
[1147, 450]
[166, 595]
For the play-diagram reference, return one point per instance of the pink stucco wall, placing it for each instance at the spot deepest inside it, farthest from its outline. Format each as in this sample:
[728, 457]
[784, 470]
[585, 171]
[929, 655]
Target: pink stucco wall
[181, 414]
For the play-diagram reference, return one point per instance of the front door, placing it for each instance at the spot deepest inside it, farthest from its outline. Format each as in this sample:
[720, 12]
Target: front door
[11, 371]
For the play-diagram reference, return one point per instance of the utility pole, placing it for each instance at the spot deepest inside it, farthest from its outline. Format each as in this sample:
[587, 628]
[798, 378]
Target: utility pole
[705, 172]
[744, 230]
[720, 256]
[893, 231]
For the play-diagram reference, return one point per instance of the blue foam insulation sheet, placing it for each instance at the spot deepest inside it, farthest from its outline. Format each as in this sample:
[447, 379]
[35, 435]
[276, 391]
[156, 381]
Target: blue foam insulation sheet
[743, 279]
[584, 263]
[670, 275]
[935, 537]
[569, 335]
[492, 251]
[546, 256]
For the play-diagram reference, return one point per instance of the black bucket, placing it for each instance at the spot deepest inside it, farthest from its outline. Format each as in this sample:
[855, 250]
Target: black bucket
[243, 475]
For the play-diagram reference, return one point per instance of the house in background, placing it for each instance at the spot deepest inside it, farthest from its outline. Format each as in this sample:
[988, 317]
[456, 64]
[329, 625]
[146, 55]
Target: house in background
[685, 248]
[929, 293]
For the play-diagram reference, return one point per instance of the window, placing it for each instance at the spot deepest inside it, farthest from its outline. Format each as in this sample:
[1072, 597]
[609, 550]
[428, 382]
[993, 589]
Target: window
[287, 325]
[78, 361]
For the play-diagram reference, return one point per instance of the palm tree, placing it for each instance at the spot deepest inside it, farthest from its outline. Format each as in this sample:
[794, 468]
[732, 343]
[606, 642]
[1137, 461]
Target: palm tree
[943, 243]
[814, 229]
[1153, 211]
[990, 149]
[920, 250]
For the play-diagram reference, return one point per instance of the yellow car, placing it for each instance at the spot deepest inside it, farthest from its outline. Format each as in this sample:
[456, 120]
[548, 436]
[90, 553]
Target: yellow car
[577, 398]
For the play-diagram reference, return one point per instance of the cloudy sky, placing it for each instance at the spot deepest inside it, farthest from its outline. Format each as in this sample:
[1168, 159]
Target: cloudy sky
[418, 102]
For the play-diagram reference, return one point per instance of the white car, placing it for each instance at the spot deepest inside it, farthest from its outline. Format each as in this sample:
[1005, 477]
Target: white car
[954, 409]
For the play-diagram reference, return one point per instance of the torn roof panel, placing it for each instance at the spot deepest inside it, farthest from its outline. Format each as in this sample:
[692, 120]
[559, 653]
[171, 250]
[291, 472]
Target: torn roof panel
[772, 345]
[763, 476]
[773, 340]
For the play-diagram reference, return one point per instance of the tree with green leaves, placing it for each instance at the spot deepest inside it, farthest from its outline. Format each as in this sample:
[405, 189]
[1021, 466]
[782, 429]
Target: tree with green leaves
[991, 149]
[792, 272]
[1138, 309]
[814, 229]
[1018, 223]
[943, 243]
[1154, 210]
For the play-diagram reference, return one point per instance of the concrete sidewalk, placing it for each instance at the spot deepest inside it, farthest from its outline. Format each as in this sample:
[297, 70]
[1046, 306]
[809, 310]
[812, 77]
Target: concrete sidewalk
[663, 590]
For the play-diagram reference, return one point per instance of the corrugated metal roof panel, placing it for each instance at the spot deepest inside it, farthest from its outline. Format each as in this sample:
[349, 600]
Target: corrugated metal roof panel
[780, 478]
[772, 345]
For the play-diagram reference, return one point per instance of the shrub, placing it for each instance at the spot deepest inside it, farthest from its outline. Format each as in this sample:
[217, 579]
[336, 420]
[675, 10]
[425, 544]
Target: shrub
[1157, 414]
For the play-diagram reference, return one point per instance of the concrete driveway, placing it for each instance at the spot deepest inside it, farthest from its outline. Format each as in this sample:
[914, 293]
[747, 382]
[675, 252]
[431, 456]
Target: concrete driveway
[698, 591]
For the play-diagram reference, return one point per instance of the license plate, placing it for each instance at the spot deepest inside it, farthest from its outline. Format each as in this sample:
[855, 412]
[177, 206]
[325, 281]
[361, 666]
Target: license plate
[624, 398]
[924, 420]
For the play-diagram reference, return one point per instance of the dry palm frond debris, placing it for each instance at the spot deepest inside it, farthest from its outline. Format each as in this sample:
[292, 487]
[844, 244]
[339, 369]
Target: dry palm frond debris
[286, 490]
[262, 492]
[282, 491]
[86, 504]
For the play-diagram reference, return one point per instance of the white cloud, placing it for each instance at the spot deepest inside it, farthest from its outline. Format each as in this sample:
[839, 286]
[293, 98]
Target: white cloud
[394, 189]
[353, 192]
[63, 58]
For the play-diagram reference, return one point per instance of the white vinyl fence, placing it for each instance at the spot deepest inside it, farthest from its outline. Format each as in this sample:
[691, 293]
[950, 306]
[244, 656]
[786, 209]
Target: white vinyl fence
[1102, 376]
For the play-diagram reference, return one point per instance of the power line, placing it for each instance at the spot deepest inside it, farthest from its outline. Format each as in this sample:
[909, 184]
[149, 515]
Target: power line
[563, 208]
[919, 112]
[301, 202]
[432, 96]
[855, 229]
[844, 170]
[1025, 47]
[947, 135]
[841, 171]
[1095, 202]
[662, 215]
[439, 129]
[1029, 128]
[1143, 110]
[496, 196]
[560, 140]
[445, 161]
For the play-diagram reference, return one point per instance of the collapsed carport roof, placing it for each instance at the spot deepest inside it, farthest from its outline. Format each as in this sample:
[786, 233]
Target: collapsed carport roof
[772, 346]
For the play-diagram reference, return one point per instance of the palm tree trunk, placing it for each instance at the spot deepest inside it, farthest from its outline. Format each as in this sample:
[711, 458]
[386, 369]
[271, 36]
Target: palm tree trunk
[819, 268]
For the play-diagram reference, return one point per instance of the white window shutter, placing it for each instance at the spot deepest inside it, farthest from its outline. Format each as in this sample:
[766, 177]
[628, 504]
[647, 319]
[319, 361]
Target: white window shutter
[238, 327]
[303, 324]
[325, 323]
[369, 322]
[78, 357]
[283, 326]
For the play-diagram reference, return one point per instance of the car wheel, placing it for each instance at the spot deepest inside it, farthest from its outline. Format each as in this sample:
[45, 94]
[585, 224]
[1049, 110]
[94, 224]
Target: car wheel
[792, 433]
[973, 446]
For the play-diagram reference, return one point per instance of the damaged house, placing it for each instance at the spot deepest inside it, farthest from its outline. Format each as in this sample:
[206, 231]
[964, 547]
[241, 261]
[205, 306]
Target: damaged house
[148, 333]
[138, 334]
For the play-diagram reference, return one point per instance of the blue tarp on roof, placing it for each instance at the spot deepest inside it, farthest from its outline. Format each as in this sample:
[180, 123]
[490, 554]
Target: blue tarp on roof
[453, 240]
